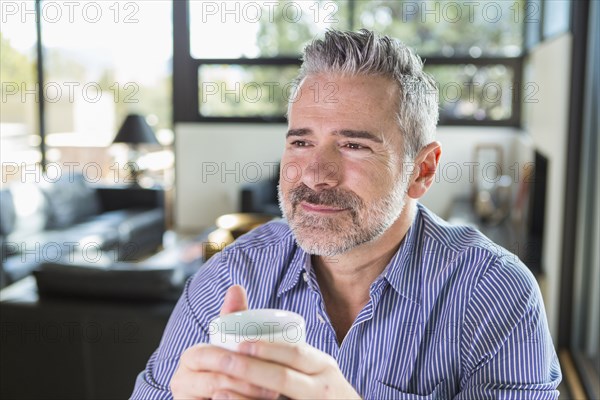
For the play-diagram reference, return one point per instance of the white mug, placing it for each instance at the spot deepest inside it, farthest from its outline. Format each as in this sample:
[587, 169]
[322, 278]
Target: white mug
[271, 325]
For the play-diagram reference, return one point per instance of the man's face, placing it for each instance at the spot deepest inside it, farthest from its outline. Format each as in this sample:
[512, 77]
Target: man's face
[341, 181]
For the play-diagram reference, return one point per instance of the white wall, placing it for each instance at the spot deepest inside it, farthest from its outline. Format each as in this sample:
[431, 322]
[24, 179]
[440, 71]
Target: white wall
[546, 120]
[214, 160]
[455, 177]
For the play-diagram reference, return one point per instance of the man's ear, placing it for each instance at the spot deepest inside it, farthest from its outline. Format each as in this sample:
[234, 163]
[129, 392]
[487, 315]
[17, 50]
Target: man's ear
[426, 163]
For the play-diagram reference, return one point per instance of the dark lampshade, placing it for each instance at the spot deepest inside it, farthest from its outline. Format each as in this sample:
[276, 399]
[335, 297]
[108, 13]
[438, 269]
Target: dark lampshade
[135, 130]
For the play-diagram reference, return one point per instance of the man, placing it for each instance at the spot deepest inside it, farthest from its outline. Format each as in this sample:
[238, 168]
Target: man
[398, 304]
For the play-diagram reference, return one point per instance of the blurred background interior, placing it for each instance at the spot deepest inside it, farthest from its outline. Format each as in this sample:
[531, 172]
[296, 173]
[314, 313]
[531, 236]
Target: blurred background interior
[128, 128]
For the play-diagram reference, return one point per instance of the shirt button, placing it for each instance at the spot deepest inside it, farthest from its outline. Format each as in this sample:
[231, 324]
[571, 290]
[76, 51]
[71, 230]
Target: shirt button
[321, 320]
[305, 277]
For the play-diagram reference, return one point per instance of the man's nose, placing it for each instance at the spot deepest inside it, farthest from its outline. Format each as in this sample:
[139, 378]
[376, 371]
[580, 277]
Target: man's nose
[323, 170]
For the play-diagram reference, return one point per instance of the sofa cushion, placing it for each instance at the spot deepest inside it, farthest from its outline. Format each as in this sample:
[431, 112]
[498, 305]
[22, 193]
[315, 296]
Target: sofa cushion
[70, 200]
[141, 234]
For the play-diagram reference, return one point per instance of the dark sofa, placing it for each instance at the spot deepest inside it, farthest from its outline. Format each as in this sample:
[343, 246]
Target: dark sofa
[69, 221]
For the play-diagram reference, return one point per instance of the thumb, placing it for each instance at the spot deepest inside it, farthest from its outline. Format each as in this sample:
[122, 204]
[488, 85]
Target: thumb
[235, 300]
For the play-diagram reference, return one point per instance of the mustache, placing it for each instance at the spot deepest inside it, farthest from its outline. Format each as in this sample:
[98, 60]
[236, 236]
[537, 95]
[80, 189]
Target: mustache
[335, 197]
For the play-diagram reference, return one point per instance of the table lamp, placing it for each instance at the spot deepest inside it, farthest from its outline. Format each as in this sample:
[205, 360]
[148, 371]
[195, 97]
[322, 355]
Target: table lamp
[135, 131]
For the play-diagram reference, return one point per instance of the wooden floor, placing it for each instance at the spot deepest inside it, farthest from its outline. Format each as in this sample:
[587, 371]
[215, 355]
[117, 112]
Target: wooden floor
[571, 387]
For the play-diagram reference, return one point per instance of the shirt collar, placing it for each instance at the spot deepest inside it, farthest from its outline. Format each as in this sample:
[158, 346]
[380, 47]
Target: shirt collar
[298, 265]
[402, 272]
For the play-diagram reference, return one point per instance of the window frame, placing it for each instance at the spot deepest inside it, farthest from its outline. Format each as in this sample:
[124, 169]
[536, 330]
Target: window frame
[186, 83]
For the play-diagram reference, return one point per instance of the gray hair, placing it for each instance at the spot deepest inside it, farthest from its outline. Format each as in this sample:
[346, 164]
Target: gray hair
[366, 53]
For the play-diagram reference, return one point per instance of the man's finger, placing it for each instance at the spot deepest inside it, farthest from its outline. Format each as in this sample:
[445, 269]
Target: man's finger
[235, 300]
[213, 367]
[224, 395]
[203, 384]
[223, 383]
[200, 356]
[275, 377]
[299, 356]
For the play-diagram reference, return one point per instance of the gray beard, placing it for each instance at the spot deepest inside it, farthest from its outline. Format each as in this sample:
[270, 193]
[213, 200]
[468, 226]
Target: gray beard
[324, 236]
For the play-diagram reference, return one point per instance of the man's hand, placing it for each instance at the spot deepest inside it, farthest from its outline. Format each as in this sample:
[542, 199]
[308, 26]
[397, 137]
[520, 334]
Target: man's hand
[297, 371]
[259, 370]
[195, 380]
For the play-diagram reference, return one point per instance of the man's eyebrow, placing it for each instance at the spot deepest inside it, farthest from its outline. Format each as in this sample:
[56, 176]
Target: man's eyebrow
[348, 133]
[298, 132]
[359, 135]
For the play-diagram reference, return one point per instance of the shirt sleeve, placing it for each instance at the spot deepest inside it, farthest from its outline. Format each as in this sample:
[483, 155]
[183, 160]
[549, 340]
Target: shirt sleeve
[199, 303]
[507, 351]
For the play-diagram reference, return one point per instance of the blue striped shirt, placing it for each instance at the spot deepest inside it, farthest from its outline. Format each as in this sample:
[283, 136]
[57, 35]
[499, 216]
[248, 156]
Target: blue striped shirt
[452, 316]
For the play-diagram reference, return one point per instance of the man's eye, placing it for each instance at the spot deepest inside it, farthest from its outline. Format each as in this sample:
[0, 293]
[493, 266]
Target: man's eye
[355, 146]
[299, 143]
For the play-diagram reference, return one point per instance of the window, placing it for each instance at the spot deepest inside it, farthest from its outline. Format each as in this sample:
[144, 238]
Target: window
[473, 50]
[474, 93]
[111, 60]
[19, 134]
[556, 19]
[231, 90]
[583, 311]
[100, 61]
[448, 28]
[260, 29]
[106, 61]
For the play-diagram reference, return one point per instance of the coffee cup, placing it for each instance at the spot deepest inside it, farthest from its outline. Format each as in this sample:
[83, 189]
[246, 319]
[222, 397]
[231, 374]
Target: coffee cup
[270, 325]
